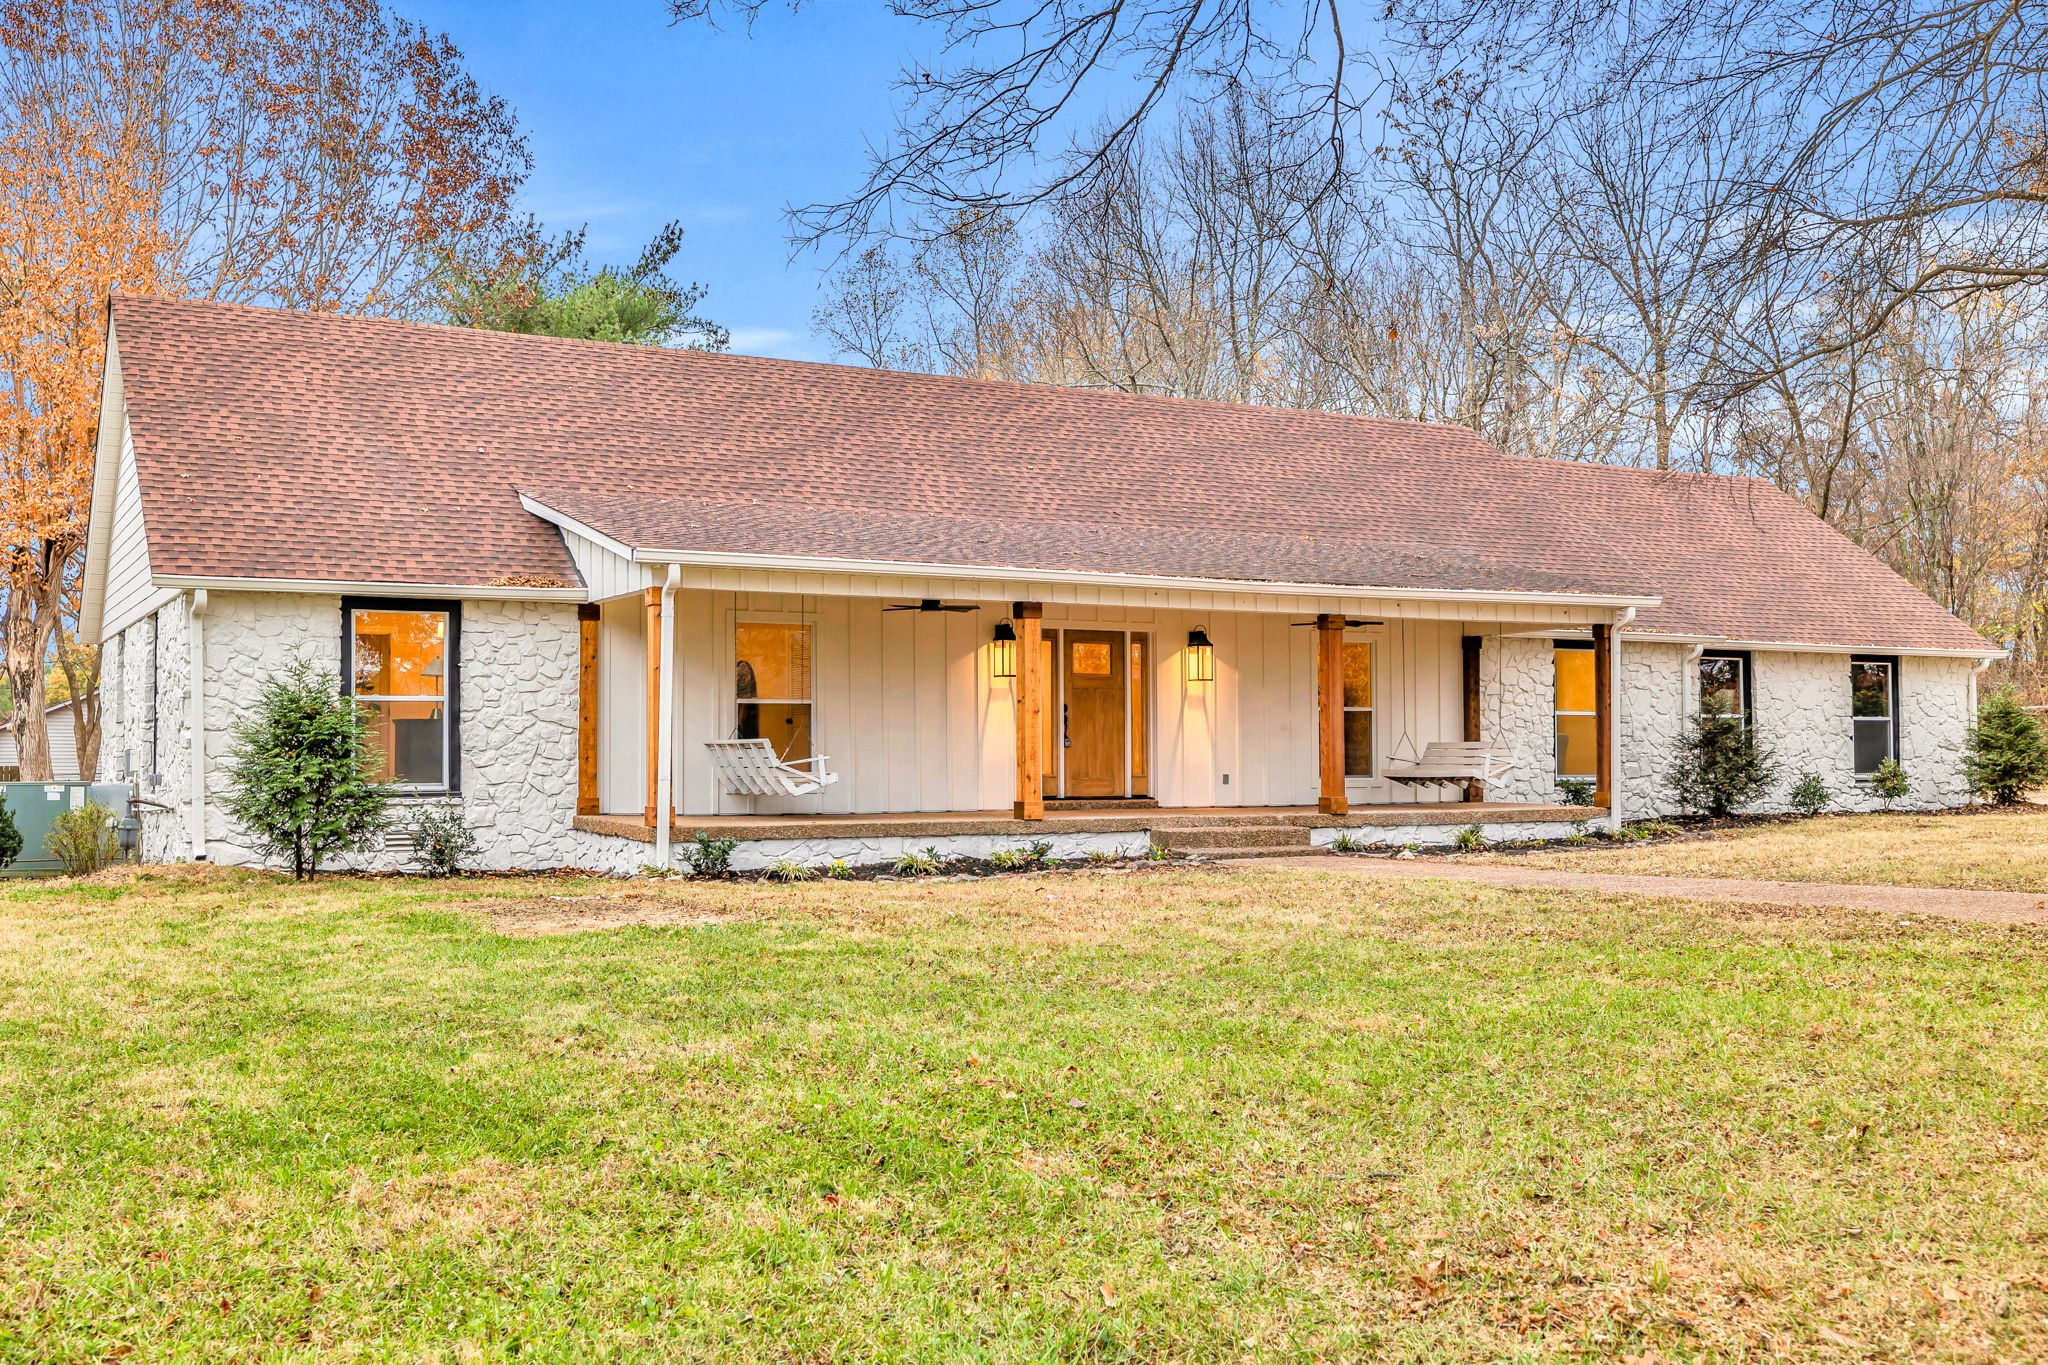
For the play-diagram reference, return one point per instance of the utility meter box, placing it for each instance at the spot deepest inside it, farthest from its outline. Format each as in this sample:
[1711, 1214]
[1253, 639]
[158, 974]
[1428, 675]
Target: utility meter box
[35, 807]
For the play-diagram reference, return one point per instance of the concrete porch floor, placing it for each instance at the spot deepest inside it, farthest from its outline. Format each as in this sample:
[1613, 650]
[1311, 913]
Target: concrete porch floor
[939, 824]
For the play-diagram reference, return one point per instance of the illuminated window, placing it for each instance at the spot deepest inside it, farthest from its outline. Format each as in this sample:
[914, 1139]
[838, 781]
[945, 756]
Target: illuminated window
[1140, 742]
[1092, 658]
[1357, 709]
[1578, 718]
[772, 686]
[399, 661]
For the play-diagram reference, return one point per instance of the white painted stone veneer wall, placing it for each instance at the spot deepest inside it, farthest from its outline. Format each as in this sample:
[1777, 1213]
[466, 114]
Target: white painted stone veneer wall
[518, 711]
[1801, 709]
[1802, 714]
[1517, 685]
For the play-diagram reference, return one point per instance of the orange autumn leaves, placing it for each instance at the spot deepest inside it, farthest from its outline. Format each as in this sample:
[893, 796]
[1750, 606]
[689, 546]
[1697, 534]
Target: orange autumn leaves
[74, 225]
[315, 154]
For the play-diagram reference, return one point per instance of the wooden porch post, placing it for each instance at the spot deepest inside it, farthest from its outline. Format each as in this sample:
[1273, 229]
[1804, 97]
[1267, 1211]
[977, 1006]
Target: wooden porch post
[1330, 712]
[1469, 651]
[586, 709]
[1603, 715]
[1030, 803]
[652, 596]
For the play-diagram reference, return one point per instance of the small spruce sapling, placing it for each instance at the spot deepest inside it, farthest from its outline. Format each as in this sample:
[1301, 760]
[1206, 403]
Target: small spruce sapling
[2007, 757]
[302, 771]
[1721, 765]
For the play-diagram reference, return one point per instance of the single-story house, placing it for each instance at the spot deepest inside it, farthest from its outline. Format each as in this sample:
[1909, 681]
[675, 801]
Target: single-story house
[564, 575]
[62, 725]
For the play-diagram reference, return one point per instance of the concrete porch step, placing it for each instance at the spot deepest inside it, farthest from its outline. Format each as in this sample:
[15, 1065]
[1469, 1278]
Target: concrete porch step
[1179, 837]
[1266, 851]
[1063, 804]
[1269, 823]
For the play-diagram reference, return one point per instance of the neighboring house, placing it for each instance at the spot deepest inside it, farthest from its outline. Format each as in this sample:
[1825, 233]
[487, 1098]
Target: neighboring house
[63, 746]
[556, 570]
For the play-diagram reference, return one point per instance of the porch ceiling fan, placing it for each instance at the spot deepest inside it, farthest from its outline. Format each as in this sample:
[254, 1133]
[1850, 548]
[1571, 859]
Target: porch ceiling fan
[1350, 623]
[934, 604]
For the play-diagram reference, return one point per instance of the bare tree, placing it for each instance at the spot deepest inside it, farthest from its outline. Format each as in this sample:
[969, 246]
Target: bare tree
[861, 311]
[1010, 76]
[1707, 234]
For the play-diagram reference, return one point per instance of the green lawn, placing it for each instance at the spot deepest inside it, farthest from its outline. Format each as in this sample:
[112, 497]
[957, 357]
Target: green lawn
[1166, 1115]
[1999, 850]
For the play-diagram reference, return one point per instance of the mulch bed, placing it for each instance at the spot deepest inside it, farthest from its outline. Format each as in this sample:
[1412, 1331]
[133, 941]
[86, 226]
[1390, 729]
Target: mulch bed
[1675, 829]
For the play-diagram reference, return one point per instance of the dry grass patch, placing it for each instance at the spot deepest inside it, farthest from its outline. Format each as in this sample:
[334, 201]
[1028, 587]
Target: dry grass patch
[541, 916]
[1993, 850]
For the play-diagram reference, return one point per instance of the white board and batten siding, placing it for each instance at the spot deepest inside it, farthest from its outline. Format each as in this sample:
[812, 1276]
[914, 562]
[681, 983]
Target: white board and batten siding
[906, 707]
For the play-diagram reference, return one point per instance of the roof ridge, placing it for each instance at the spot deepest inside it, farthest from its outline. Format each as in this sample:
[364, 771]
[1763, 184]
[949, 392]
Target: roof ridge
[490, 336]
[548, 494]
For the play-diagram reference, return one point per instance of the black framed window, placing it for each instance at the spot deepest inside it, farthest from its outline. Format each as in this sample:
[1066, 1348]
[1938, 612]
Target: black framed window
[1873, 710]
[401, 658]
[1726, 684]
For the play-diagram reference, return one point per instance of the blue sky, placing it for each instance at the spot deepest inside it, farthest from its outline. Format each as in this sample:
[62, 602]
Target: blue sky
[634, 122]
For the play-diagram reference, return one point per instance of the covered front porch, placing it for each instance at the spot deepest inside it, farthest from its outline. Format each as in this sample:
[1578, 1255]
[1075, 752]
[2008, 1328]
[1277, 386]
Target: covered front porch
[964, 709]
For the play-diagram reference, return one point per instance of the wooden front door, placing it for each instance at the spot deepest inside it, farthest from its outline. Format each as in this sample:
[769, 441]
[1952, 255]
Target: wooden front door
[1095, 700]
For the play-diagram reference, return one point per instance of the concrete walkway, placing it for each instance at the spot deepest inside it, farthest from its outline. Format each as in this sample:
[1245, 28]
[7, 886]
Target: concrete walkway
[1980, 907]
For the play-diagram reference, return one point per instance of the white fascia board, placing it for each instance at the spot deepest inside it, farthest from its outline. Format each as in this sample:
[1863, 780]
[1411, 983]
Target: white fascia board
[471, 592]
[106, 468]
[1799, 647]
[569, 523]
[910, 569]
[1764, 646]
[1259, 587]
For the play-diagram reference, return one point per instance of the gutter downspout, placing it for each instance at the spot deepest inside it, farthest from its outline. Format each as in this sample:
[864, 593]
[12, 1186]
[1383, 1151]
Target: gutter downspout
[1688, 682]
[665, 723]
[1621, 618]
[197, 696]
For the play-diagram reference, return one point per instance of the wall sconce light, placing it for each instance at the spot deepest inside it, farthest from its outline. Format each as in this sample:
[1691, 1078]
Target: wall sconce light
[1201, 656]
[1003, 659]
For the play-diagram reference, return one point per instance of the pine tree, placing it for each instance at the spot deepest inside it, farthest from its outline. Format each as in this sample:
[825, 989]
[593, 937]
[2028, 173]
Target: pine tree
[302, 771]
[2007, 755]
[1720, 764]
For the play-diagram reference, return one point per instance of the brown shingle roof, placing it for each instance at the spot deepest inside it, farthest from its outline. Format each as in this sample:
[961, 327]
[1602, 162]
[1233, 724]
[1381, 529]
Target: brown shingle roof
[287, 445]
